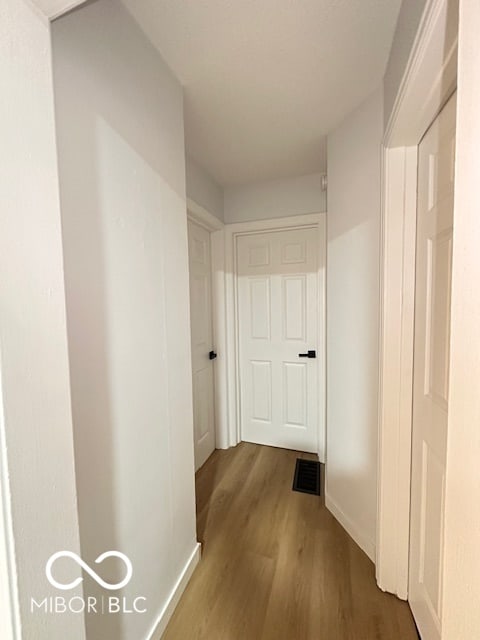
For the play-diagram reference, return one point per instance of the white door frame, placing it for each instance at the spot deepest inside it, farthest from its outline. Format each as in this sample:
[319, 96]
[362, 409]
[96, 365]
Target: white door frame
[53, 9]
[232, 232]
[198, 214]
[429, 80]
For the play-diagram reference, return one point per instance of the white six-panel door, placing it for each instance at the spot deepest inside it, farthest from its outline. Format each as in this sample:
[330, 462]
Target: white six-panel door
[278, 313]
[431, 370]
[202, 342]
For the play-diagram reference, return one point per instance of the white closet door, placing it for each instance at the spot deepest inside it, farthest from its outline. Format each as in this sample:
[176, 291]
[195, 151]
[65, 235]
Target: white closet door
[278, 314]
[202, 342]
[431, 370]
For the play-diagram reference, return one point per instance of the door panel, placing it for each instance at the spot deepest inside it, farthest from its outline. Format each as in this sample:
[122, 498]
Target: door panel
[261, 374]
[202, 342]
[295, 394]
[278, 314]
[260, 308]
[293, 307]
[431, 370]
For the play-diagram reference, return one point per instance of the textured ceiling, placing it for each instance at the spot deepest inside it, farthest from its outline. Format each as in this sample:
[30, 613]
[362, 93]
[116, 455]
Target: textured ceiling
[265, 80]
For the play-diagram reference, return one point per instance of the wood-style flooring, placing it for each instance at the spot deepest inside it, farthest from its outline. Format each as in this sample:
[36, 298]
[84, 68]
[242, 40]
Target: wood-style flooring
[275, 564]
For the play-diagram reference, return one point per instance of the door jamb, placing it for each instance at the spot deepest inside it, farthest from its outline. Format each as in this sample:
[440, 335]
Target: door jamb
[232, 232]
[428, 81]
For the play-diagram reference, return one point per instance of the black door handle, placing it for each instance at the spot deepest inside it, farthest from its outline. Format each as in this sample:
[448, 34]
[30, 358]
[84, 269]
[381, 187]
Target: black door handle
[212, 355]
[310, 354]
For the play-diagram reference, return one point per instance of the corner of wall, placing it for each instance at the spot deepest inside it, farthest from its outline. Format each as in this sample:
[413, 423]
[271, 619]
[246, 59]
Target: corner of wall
[173, 599]
[203, 189]
[353, 529]
[353, 291]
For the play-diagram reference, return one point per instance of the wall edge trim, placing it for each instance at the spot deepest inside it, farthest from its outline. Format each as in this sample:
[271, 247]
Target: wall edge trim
[173, 599]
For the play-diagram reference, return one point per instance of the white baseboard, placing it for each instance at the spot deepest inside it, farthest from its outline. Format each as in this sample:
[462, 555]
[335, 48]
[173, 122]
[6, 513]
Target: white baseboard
[175, 595]
[351, 528]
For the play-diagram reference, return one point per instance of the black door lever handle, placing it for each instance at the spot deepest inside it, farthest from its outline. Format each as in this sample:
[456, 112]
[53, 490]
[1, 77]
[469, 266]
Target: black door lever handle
[310, 354]
[212, 355]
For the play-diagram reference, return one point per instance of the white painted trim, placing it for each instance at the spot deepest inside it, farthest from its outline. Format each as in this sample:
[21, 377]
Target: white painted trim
[219, 317]
[354, 531]
[166, 613]
[233, 405]
[429, 78]
[428, 82]
[232, 231]
[275, 224]
[10, 625]
[53, 9]
[396, 369]
[322, 339]
[201, 216]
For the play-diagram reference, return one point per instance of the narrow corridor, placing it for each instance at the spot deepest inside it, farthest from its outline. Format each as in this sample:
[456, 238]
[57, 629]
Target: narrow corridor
[276, 565]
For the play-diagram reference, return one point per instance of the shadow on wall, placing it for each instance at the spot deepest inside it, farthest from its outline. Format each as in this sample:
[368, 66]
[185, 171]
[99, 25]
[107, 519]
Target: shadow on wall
[353, 297]
[122, 182]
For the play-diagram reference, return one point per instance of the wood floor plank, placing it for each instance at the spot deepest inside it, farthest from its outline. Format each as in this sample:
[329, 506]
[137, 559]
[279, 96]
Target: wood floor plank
[276, 565]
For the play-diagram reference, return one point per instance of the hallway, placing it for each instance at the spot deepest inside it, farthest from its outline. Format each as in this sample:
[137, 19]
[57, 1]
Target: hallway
[275, 563]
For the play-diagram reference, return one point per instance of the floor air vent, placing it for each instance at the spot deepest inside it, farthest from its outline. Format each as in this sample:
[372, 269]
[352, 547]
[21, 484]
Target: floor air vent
[307, 476]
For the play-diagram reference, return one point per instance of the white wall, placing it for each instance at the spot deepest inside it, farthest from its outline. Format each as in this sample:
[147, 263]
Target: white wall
[461, 613]
[353, 249]
[203, 189]
[409, 18]
[275, 199]
[122, 176]
[36, 416]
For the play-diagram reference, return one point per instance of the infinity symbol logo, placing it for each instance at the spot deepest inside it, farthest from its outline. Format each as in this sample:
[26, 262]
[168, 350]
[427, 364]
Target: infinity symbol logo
[85, 567]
